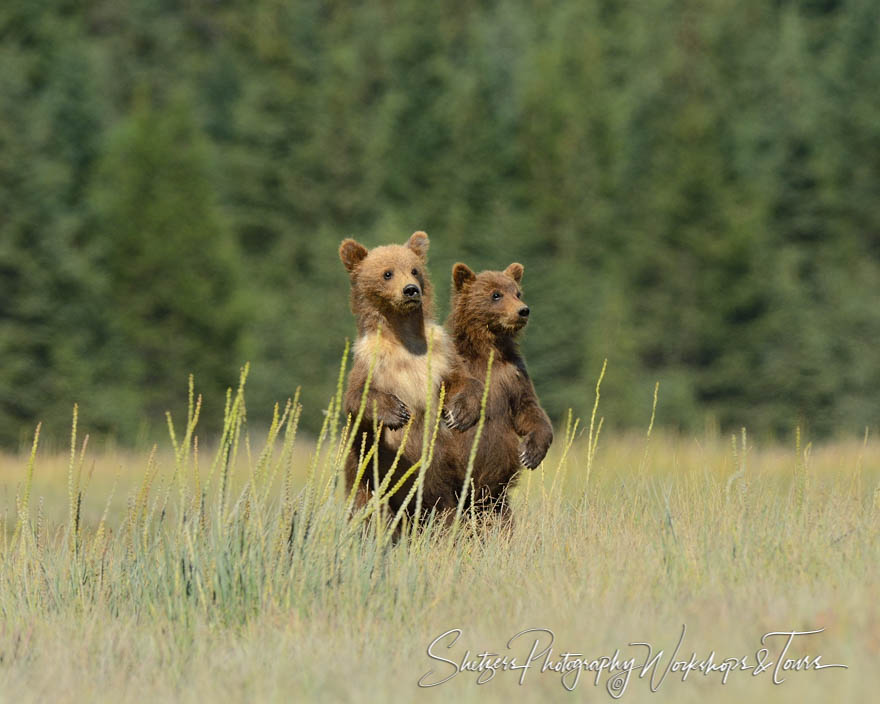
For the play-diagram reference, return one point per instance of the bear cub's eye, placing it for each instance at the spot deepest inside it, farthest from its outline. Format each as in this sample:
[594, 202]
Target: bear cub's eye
[415, 272]
[519, 294]
[496, 296]
[388, 274]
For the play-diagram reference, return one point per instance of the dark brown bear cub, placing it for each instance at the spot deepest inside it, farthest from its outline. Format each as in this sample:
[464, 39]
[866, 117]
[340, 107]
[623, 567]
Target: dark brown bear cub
[391, 290]
[487, 314]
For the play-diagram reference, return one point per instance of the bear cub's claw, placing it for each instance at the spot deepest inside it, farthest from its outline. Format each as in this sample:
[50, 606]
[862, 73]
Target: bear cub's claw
[451, 420]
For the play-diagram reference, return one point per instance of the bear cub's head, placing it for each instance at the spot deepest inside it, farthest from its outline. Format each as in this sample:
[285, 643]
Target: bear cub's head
[391, 278]
[490, 300]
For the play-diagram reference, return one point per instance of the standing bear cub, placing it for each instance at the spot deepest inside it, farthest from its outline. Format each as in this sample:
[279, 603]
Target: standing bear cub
[487, 314]
[391, 290]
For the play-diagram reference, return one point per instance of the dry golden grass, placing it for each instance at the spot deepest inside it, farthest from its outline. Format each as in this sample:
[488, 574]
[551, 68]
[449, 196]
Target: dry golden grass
[621, 540]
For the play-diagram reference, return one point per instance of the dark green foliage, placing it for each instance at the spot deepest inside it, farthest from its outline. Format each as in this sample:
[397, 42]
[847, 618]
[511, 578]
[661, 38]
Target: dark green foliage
[691, 186]
[168, 266]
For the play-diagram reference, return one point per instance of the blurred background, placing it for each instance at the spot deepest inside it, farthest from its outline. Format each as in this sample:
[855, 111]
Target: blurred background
[692, 186]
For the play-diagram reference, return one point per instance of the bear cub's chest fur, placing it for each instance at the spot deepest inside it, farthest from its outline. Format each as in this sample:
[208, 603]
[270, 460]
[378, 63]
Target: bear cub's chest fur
[403, 369]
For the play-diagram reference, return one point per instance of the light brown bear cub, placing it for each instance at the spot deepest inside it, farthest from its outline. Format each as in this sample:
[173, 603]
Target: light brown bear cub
[487, 314]
[390, 288]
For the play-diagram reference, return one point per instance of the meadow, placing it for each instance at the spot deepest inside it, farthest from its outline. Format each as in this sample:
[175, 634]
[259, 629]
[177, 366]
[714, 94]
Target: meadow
[229, 571]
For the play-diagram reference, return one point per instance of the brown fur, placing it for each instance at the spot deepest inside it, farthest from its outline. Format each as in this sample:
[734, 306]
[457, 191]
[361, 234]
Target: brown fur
[399, 355]
[517, 431]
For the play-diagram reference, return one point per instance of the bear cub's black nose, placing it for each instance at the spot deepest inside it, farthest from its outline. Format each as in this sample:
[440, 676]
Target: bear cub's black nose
[524, 312]
[411, 291]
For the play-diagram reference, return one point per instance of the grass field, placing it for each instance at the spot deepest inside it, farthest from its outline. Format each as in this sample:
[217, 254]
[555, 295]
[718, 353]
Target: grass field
[183, 575]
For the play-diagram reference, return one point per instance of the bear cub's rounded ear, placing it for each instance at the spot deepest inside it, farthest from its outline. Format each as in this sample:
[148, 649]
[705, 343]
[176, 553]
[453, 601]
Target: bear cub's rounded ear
[352, 253]
[461, 275]
[515, 271]
[418, 243]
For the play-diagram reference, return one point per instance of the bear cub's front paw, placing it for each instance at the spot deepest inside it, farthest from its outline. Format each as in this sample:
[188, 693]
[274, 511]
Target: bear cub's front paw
[396, 413]
[462, 411]
[532, 451]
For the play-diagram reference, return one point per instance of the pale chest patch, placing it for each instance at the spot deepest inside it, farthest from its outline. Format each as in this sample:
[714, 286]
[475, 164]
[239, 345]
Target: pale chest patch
[402, 373]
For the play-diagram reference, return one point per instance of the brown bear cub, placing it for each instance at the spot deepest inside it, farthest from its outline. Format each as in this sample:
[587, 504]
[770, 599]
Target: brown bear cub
[487, 314]
[391, 290]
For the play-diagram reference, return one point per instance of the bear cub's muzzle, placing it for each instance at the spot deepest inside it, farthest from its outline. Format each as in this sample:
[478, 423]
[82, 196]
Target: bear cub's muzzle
[412, 295]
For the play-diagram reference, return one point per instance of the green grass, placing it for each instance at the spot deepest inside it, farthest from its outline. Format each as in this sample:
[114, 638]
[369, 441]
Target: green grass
[181, 574]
